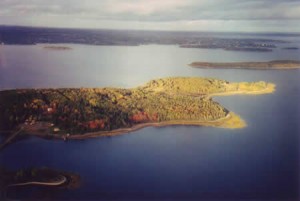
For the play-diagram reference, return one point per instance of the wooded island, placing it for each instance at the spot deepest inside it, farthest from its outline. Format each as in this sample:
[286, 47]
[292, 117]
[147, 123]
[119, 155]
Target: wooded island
[89, 112]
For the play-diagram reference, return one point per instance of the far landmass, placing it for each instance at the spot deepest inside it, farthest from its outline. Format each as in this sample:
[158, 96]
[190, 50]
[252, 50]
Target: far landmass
[52, 47]
[290, 48]
[268, 65]
[15, 35]
[89, 112]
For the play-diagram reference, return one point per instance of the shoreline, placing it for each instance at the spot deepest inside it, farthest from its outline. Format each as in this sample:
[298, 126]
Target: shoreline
[224, 122]
[62, 180]
[220, 123]
[43, 176]
[230, 121]
[268, 90]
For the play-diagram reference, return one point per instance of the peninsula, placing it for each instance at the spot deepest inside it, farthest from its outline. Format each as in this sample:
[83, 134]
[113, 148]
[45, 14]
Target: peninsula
[268, 65]
[90, 112]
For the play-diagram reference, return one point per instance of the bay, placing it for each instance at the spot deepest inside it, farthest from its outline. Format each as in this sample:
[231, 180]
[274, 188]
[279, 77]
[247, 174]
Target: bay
[260, 161]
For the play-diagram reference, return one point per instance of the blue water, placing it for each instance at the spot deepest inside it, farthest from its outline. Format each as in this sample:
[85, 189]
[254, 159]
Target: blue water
[102, 66]
[258, 162]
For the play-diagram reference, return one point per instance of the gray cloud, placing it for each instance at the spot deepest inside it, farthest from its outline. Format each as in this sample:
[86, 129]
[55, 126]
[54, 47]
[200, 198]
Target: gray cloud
[176, 9]
[94, 12]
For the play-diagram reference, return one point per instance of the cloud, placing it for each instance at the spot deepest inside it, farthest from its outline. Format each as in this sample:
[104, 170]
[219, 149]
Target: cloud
[187, 13]
[146, 7]
[155, 10]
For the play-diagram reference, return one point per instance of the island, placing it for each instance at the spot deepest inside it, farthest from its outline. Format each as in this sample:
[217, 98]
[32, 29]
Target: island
[52, 47]
[43, 177]
[265, 65]
[232, 47]
[290, 48]
[79, 113]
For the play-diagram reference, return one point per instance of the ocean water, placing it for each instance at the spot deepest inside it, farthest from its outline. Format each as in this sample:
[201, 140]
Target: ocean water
[258, 162]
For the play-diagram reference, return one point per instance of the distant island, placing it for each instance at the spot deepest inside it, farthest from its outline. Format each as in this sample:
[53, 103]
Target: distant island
[290, 48]
[52, 47]
[231, 46]
[90, 112]
[268, 65]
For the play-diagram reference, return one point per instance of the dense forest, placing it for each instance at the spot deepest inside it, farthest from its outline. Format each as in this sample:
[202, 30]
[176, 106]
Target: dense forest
[83, 110]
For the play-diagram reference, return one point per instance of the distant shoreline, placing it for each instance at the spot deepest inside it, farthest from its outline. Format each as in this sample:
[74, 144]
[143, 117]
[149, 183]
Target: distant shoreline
[54, 47]
[268, 65]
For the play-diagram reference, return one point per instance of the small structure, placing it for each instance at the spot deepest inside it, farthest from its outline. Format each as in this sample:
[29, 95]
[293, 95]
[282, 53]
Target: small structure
[65, 137]
[56, 129]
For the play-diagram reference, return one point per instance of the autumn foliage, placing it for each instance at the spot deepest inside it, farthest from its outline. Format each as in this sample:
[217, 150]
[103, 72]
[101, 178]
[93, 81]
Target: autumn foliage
[85, 110]
[142, 117]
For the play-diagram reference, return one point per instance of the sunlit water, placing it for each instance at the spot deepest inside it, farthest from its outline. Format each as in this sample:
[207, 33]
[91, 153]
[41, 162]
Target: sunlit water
[260, 161]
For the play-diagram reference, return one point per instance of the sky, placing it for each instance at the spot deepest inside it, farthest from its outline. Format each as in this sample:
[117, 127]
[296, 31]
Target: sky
[179, 15]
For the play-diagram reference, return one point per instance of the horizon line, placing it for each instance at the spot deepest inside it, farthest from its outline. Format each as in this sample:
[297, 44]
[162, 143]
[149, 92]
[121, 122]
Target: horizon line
[152, 30]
